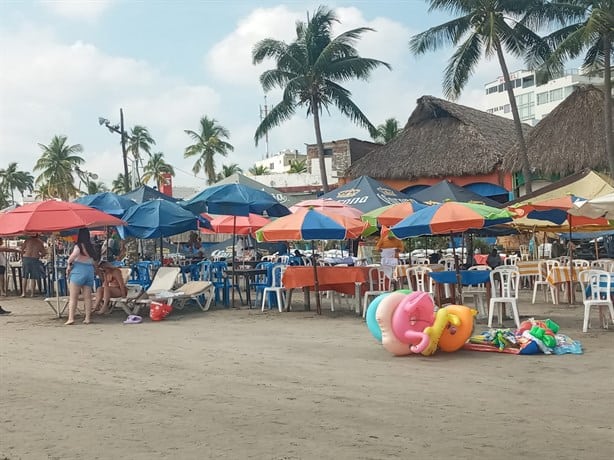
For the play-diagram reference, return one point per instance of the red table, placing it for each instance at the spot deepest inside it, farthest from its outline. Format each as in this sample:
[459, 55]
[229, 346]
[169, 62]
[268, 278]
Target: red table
[347, 280]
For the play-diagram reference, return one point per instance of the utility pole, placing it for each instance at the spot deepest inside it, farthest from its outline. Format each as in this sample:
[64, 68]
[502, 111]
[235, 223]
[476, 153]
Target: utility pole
[263, 113]
[124, 153]
[119, 129]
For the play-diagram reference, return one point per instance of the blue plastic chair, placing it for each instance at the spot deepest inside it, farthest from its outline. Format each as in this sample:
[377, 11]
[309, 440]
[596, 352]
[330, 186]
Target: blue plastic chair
[262, 282]
[141, 274]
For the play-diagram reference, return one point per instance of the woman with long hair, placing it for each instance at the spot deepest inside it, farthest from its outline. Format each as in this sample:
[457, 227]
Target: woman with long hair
[80, 275]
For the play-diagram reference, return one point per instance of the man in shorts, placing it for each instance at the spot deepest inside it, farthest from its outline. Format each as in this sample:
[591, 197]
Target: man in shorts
[32, 250]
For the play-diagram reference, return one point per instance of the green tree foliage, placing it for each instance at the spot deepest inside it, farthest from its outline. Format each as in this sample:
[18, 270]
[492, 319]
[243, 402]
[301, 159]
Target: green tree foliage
[208, 142]
[56, 165]
[310, 71]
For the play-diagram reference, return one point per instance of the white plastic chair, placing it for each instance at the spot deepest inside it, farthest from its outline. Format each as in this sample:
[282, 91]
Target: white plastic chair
[448, 263]
[602, 264]
[420, 275]
[276, 286]
[581, 263]
[477, 292]
[378, 284]
[505, 281]
[595, 292]
[544, 268]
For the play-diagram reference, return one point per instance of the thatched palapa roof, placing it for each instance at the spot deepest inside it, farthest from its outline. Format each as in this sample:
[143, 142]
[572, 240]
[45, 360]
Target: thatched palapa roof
[568, 139]
[441, 139]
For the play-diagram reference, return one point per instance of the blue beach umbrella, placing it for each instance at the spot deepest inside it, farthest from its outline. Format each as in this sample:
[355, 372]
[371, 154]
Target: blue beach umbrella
[235, 200]
[159, 218]
[108, 202]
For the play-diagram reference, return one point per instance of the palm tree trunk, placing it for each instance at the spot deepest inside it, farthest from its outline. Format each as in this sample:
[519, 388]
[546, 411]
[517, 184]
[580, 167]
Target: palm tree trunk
[526, 167]
[122, 133]
[316, 124]
[607, 101]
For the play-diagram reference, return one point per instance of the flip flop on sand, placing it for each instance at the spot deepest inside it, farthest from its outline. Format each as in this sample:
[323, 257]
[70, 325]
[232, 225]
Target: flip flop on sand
[133, 319]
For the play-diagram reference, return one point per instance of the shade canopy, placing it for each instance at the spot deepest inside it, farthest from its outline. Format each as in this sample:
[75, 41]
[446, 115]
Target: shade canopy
[146, 193]
[159, 218]
[366, 194]
[309, 224]
[108, 202]
[450, 217]
[53, 216]
[235, 200]
[448, 191]
[602, 206]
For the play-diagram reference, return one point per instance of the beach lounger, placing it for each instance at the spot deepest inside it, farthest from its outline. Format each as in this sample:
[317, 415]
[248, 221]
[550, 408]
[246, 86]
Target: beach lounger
[163, 281]
[192, 290]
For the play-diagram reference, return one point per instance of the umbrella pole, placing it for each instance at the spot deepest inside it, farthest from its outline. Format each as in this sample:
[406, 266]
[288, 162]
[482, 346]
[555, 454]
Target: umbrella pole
[572, 272]
[316, 284]
[457, 269]
[161, 252]
[234, 277]
[56, 282]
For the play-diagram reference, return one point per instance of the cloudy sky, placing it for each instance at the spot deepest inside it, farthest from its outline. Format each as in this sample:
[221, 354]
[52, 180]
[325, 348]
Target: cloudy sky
[167, 63]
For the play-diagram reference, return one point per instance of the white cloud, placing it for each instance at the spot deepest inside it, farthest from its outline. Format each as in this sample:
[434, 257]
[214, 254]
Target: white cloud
[48, 87]
[230, 60]
[78, 9]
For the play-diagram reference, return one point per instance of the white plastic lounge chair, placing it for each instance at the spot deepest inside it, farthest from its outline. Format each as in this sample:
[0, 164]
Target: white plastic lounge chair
[163, 281]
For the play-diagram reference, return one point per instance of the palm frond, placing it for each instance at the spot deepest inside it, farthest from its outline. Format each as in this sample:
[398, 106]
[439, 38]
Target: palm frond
[341, 99]
[281, 112]
[441, 35]
[461, 66]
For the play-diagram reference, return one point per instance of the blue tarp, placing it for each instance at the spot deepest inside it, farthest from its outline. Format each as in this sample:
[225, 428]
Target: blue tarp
[146, 193]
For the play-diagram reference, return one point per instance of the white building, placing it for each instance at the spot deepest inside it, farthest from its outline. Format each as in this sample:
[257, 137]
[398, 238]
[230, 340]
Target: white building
[534, 98]
[281, 162]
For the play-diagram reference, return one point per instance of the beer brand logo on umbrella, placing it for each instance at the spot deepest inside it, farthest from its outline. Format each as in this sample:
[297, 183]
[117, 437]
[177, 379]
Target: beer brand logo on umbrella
[386, 191]
[349, 193]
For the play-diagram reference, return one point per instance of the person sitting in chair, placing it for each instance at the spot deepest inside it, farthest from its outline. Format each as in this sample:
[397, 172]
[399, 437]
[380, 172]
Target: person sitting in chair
[494, 259]
[112, 286]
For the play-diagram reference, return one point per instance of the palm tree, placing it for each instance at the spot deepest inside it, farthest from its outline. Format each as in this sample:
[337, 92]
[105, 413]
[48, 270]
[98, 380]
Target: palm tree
[119, 185]
[139, 141]
[96, 187]
[12, 179]
[4, 198]
[310, 70]
[228, 170]
[298, 166]
[386, 131]
[156, 168]
[259, 170]
[57, 164]
[593, 33]
[207, 143]
[487, 27]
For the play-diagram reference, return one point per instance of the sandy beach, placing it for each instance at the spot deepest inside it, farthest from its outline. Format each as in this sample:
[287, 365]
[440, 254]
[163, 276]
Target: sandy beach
[244, 384]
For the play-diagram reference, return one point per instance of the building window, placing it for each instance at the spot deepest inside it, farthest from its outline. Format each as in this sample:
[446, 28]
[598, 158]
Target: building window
[507, 108]
[528, 81]
[569, 90]
[500, 88]
[556, 94]
[271, 166]
[542, 98]
[518, 82]
[490, 110]
[526, 109]
[328, 152]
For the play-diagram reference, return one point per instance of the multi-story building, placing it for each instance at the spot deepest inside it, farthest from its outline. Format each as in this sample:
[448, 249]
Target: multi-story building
[281, 162]
[535, 97]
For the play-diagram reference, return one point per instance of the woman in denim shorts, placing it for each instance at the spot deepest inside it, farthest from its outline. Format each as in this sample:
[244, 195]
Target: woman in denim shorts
[80, 274]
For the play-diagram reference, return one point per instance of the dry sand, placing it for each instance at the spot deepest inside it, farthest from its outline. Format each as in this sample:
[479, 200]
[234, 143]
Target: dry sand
[241, 384]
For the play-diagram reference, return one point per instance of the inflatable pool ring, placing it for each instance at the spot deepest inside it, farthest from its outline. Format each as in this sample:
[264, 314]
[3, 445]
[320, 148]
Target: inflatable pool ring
[372, 325]
[384, 319]
[454, 336]
[443, 317]
[413, 315]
